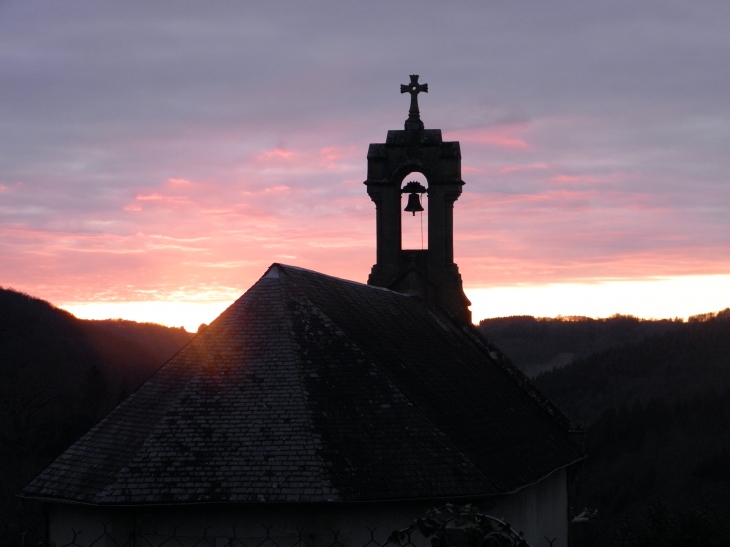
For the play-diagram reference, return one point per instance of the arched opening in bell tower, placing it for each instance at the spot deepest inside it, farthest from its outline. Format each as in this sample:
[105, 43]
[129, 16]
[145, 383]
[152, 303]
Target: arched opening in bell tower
[414, 212]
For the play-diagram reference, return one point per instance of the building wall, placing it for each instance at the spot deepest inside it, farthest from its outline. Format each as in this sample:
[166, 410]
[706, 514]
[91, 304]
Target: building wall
[539, 511]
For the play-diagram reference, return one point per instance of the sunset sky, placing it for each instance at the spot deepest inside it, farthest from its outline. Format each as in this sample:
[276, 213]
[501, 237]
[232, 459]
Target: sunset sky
[157, 157]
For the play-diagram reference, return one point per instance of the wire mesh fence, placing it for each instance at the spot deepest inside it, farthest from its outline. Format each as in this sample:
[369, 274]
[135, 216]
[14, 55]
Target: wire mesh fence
[446, 525]
[268, 537]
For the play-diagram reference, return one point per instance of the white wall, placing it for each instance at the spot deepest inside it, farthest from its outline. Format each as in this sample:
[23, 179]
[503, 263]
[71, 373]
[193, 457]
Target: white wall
[539, 510]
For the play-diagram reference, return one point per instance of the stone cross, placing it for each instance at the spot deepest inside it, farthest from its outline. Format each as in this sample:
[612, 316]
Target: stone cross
[414, 88]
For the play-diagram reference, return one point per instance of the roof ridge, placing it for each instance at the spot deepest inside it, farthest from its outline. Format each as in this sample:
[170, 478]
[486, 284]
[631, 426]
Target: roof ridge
[341, 279]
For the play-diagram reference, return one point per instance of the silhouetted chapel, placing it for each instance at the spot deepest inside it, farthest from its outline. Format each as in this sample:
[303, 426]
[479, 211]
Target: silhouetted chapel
[319, 411]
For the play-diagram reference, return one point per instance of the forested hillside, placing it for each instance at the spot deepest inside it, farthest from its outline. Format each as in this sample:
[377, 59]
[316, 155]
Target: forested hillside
[538, 344]
[654, 396]
[58, 376]
[657, 414]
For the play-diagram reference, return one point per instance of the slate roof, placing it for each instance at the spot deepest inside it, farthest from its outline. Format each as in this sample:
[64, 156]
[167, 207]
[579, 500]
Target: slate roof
[311, 388]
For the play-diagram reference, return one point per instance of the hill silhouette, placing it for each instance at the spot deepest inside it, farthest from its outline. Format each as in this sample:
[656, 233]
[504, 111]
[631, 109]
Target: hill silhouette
[654, 396]
[657, 412]
[538, 344]
[58, 376]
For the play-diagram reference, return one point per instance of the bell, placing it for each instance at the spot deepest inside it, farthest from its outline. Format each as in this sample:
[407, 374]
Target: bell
[414, 203]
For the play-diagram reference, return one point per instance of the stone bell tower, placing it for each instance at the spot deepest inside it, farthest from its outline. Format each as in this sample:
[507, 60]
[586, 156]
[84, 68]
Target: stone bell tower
[431, 273]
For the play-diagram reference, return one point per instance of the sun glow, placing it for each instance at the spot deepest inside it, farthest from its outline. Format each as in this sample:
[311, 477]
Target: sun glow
[649, 299]
[188, 314]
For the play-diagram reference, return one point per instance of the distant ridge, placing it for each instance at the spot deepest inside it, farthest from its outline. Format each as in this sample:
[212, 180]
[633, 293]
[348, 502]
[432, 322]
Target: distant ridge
[655, 397]
[537, 345]
[657, 414]
[58, 376]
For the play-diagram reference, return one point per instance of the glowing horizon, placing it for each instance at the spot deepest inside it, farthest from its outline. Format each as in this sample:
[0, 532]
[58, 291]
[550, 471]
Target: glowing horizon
[146, 164]
[678, 298]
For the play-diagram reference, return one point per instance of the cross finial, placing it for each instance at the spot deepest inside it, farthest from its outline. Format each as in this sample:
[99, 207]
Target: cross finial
[414, 88]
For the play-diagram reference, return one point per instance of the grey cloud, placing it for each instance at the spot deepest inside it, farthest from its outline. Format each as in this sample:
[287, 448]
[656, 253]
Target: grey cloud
[100, 99]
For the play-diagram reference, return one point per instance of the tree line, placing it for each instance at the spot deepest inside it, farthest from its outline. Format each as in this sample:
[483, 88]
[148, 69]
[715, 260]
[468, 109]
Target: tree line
[656, 406]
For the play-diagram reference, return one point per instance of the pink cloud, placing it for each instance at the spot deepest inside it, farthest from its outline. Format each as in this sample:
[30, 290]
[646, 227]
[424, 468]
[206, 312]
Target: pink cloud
[543, 220]
[274, 156]
[334, 157]
[500, 238]
[500, 137]
[163, 198]
[303, 160]
[576, 179]
[280, 188]
[523, 168]
[206, 211]
[335, 153]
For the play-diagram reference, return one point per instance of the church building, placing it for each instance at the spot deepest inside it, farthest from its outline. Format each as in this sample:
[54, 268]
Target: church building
[320, 411]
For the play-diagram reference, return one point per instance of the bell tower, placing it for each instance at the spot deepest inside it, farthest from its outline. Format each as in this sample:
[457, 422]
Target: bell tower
[431, 273]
